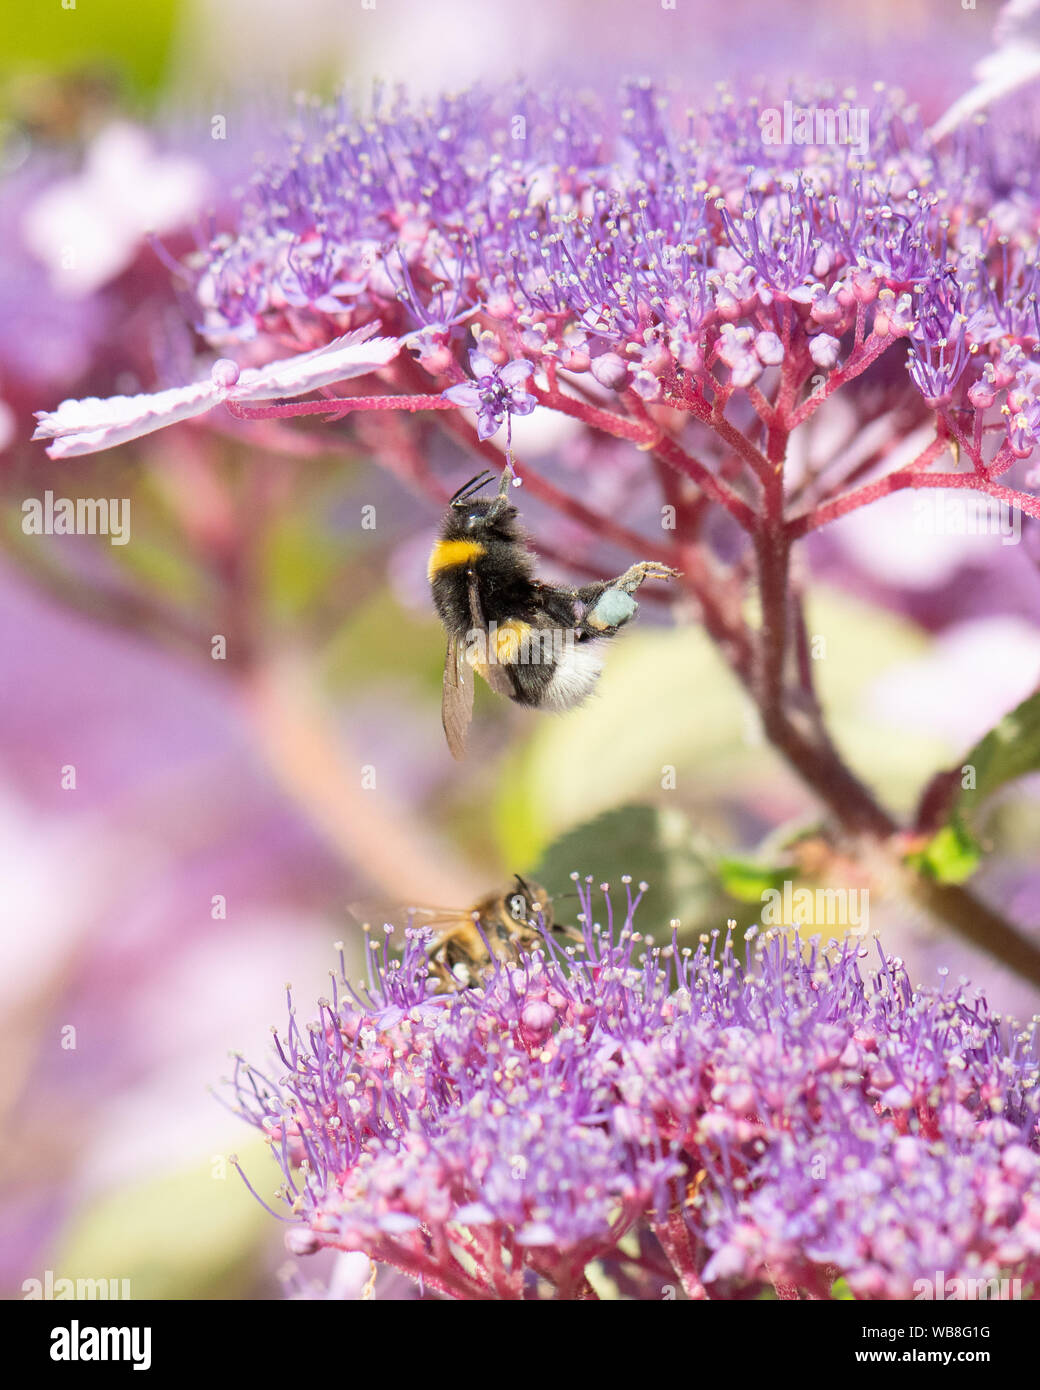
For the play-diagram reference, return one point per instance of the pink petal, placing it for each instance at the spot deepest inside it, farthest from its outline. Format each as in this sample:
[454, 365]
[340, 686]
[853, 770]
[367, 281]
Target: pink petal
[355, 354]
[84, 427]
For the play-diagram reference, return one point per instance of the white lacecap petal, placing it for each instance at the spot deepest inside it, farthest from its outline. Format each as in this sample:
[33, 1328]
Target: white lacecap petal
[349, 356]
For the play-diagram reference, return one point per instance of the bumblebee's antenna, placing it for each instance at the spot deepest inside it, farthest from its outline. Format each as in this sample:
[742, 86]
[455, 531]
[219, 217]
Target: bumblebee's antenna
[467, 490]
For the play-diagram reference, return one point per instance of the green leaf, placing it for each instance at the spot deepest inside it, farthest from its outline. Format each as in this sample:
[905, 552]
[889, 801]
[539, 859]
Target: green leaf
[652, 845]
[747, 881]
[1010, 750]
[840, 1290]
[951, 856]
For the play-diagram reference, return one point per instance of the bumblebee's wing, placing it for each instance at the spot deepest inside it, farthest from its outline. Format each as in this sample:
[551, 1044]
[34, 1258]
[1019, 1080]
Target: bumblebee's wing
[457, 700]
[492, 670]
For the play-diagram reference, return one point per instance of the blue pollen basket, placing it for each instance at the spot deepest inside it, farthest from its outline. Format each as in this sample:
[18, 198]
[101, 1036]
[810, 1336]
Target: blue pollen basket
[614, 607]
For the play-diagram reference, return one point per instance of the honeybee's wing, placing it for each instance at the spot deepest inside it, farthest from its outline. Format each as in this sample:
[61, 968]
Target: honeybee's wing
[492, 670]
[377, 911]
[448, 924]
[457, 699]
[442, 917]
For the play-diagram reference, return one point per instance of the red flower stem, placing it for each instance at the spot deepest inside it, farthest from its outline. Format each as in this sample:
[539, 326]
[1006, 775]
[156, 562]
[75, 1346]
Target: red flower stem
[788, 725]
[762, 408]
[596, 418]
[740, 445]
[793, 372]
[647, 434]
[976, 433]
[673, 1236]
[785, 1291]
[566, 1273]
[979, 924]
[962, 442]
[861, 322]
[1004, 459]
[666, 448]
[805, 743]
[335, 407]
[456, 1283]
[803, 657]
[689, 511]
[506, 1284]
[447, 1260]
[858, 361]
[898, 481]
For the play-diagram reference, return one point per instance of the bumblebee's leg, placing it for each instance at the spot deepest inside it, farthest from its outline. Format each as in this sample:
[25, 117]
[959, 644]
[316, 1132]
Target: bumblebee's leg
[589, 593]
[628, 582]
[636, 574]
[609, 604]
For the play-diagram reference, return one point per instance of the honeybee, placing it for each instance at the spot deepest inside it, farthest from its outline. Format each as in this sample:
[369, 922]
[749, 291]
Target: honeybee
[538, 644]
[510, 919]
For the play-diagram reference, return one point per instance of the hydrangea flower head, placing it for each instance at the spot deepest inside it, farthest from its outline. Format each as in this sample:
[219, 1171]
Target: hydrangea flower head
[658, 256]
[625, 1116]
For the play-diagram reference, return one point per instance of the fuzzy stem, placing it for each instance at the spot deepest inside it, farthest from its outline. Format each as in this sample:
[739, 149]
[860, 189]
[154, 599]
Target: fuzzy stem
[335, 407]
[901, 479]
[674, 1239]
[648, 435]
[858, 361]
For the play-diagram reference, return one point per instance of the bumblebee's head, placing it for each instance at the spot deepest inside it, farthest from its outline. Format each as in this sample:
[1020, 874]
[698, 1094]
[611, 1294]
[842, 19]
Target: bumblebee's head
[480, 518]
[471, 516]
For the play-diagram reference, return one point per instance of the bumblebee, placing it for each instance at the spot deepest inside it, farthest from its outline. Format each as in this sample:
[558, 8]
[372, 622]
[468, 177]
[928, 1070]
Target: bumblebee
[538, 644]
[510, 920]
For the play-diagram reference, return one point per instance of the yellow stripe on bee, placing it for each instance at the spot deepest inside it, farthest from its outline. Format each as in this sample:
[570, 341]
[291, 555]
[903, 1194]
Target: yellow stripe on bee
[507, 639]
[501, 644]
[445, 555]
